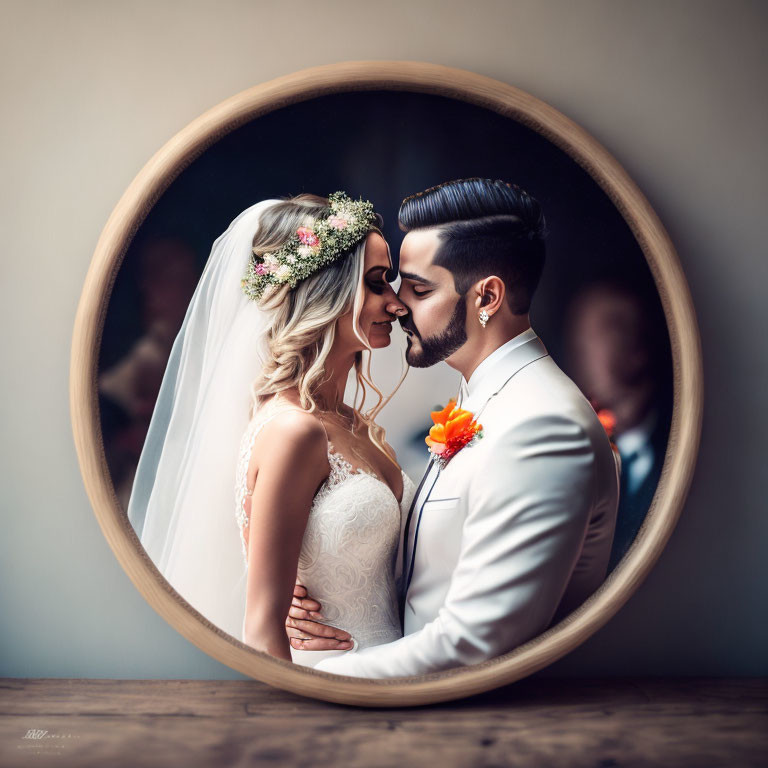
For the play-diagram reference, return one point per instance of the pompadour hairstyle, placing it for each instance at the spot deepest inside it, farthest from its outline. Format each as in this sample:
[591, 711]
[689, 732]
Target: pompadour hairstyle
[486, 227]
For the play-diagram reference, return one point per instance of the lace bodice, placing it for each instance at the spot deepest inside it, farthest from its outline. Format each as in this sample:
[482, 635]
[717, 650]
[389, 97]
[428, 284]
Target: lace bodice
[349, 549]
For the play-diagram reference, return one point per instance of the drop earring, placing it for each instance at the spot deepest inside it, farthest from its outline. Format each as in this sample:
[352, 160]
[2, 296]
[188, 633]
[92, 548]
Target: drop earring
[484, 318]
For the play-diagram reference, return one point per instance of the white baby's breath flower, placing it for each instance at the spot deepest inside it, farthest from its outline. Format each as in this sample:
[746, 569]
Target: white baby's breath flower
[283, 273]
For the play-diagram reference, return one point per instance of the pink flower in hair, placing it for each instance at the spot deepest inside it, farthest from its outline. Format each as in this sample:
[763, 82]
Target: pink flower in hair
[260, 269]
[338, 222]
[307, 236]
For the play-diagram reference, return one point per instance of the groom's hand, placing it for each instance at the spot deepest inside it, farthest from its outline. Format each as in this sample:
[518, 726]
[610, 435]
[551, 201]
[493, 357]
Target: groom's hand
[306, 634]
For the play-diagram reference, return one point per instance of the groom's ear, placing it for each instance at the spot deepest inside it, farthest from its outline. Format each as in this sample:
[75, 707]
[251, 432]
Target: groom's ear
[489, 294]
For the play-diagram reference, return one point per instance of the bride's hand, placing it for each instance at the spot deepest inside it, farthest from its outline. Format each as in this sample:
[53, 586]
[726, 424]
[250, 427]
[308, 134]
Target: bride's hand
[308, 635]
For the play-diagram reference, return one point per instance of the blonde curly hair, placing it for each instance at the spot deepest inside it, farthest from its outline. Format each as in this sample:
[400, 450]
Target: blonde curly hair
[304, 319]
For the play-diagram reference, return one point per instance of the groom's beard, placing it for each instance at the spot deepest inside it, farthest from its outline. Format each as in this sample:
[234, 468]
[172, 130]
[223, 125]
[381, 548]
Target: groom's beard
[434, 349]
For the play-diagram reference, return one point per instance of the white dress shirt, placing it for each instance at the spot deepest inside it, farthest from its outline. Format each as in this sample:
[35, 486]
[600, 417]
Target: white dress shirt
[636, 445]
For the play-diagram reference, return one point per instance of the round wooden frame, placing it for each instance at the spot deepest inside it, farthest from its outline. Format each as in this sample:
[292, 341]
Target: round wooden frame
[685, 429]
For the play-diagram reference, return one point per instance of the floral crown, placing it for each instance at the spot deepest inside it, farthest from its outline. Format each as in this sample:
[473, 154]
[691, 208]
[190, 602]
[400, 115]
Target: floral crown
[313, 246]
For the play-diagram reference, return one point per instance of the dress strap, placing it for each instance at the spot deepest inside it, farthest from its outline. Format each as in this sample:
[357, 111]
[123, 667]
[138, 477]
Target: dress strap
[249, 491]
[328, 439]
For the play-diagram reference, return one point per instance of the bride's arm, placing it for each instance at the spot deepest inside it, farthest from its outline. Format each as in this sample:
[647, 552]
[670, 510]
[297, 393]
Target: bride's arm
[293, 462]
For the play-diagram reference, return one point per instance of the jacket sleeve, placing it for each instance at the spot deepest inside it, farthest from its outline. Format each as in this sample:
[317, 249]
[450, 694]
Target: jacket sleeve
[528, 512]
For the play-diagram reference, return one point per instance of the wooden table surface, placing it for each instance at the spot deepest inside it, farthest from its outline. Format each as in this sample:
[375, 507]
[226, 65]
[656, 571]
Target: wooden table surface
[535, 722]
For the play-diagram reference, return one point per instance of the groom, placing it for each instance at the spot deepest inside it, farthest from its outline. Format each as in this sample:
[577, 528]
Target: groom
[514, 531]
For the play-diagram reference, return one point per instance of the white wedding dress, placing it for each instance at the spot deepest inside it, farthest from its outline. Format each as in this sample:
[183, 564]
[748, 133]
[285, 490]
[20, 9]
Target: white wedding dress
[349, 550]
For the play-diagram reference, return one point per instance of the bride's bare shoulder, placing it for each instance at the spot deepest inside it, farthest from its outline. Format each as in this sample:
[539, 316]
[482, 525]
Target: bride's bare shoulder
[292, 424]
[294, 434]
[290, 454]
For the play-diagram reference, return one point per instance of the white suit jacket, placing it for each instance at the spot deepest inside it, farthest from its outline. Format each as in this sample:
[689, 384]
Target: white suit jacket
[514, 532]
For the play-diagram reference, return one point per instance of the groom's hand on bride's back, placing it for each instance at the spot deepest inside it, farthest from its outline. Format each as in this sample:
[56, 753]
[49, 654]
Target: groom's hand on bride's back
[304, 630]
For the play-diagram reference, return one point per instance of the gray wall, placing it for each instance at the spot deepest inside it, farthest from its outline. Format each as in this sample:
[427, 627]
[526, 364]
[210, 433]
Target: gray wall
[92, 89]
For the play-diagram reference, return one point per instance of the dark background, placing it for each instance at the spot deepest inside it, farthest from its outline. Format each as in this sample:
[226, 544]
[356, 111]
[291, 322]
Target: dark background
[384, 146]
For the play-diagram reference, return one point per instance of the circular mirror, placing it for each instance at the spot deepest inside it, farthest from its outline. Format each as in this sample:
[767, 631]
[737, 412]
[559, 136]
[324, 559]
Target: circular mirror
[612, 308]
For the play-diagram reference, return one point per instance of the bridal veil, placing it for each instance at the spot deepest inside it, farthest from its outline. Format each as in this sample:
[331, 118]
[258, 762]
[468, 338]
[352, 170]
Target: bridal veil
[182, 502]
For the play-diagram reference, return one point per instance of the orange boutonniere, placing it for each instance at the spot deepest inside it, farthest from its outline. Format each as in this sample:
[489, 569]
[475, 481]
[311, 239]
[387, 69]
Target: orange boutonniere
[453, 429]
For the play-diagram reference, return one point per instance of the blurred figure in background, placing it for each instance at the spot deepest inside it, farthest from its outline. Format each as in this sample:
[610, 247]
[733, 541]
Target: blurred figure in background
[167, 277]
[617, 352]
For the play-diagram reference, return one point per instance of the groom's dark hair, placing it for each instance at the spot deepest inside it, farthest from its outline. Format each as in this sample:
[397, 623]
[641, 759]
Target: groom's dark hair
[487, 228]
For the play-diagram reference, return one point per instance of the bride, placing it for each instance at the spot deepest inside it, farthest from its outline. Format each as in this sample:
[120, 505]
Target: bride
[293, 293]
